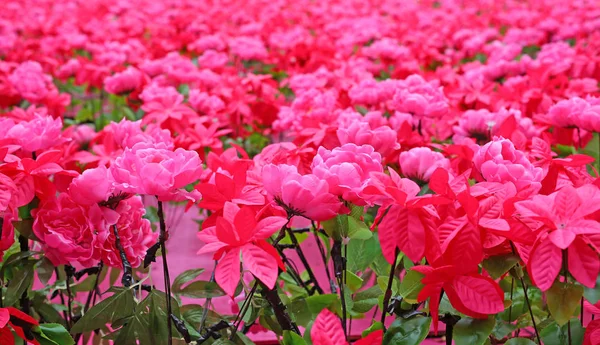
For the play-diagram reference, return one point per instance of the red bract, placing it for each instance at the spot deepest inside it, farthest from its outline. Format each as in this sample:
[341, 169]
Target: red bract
[471, 294]
[239, 231]
[563, 223]
[14, 320]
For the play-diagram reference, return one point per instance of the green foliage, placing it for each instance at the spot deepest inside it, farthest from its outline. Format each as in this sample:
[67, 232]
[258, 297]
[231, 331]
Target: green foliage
[407, 331]
[473, 331]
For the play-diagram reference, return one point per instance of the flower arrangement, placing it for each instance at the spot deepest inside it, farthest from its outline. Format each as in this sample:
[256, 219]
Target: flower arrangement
[359, 172]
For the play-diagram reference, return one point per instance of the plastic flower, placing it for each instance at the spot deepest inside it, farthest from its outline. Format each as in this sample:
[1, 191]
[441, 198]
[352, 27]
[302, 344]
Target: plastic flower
[14, 320]
[420, 162]
[499, 161]
[383, 139]
[305, 195]
[135, 234]
[239, 231]
[347, 169]
[92, 186]
[124, 82]
[30, 81]
[68, 231]
[156, 170]
[562, 220]
[40, 133]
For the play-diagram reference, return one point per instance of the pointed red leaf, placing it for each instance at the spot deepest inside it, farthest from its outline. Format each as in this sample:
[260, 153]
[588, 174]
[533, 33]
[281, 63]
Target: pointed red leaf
[227, 273]
[261, 264]
[479, 294]
[410, 233]
[327, 330]
[583, 263]
[544, 263]
[268, 226]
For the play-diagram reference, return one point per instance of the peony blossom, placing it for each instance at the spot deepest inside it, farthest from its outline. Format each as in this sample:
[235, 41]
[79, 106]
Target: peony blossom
[92, 186]
[135, 234]
[305, 195]
[499, 161]
[40, 133]
[30, 81]
[154, 169]
[69, 231]
[347, 169]
[383, 139]
[420, 162]
[124, 82]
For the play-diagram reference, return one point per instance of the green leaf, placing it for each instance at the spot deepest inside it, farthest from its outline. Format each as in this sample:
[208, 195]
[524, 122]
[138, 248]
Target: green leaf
[367, 299]
[353, 281]
[498, 265]
[408, 331]
[519, 341]
[137, 328]
[361, 253]
[410, 286]
[503, 329]
[473, 331]
[19, 284]
[563, 299]
[52, 334]
[185, 277]
[120, 305]
[45, 270]
[223, 341]
[200, 289]
[336, 227]
[291, 338]
[554, 334]
[358, 230]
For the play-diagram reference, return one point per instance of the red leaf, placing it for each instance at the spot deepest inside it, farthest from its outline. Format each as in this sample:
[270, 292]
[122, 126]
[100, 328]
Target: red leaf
[374, 338]
[410, 233]
[545, 261]
[327, 330]
[4, 317]
[245, 222]
[261, 264]
[387, 235]
[227, 273]
[268, 226]
[438, 182]
[583, 263]
[479, 294]
[463, 248]
[6, 336]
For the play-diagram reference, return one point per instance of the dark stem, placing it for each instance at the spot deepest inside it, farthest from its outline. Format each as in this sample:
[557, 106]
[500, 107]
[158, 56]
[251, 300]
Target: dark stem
[208, 301]
[162, 239]
[302, 257]
[127, 278]
[512, 284]
[339, 265]
[449, 331]
[388, 290]
[24, 246]
[324, 258]
[70, 271]
[92, 292]
[537, 334]
[243, 310]
[279, 309]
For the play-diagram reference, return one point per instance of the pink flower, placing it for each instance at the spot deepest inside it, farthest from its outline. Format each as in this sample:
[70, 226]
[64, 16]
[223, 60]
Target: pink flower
[420, 98]
[30, 81]
[347, 169]
[153, 169]
[124, 82]
[248, 48]
[499, 161]
[204, 103]
[212, 59]
[128, 133]
[135, 234]
[566, 112]
[68, 230]
[305, 195]
[383, 139]
[40, 133]
[420, 162]
[91, 187]
[589, 118]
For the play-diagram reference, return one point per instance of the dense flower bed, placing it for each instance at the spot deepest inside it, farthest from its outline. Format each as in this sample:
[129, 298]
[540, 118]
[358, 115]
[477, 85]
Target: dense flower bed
[442, 156]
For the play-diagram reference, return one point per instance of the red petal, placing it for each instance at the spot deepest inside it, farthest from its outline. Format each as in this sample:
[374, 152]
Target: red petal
[583, 263]
[227, 273]
[260, 264]
[479, 294]
[544, 263]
